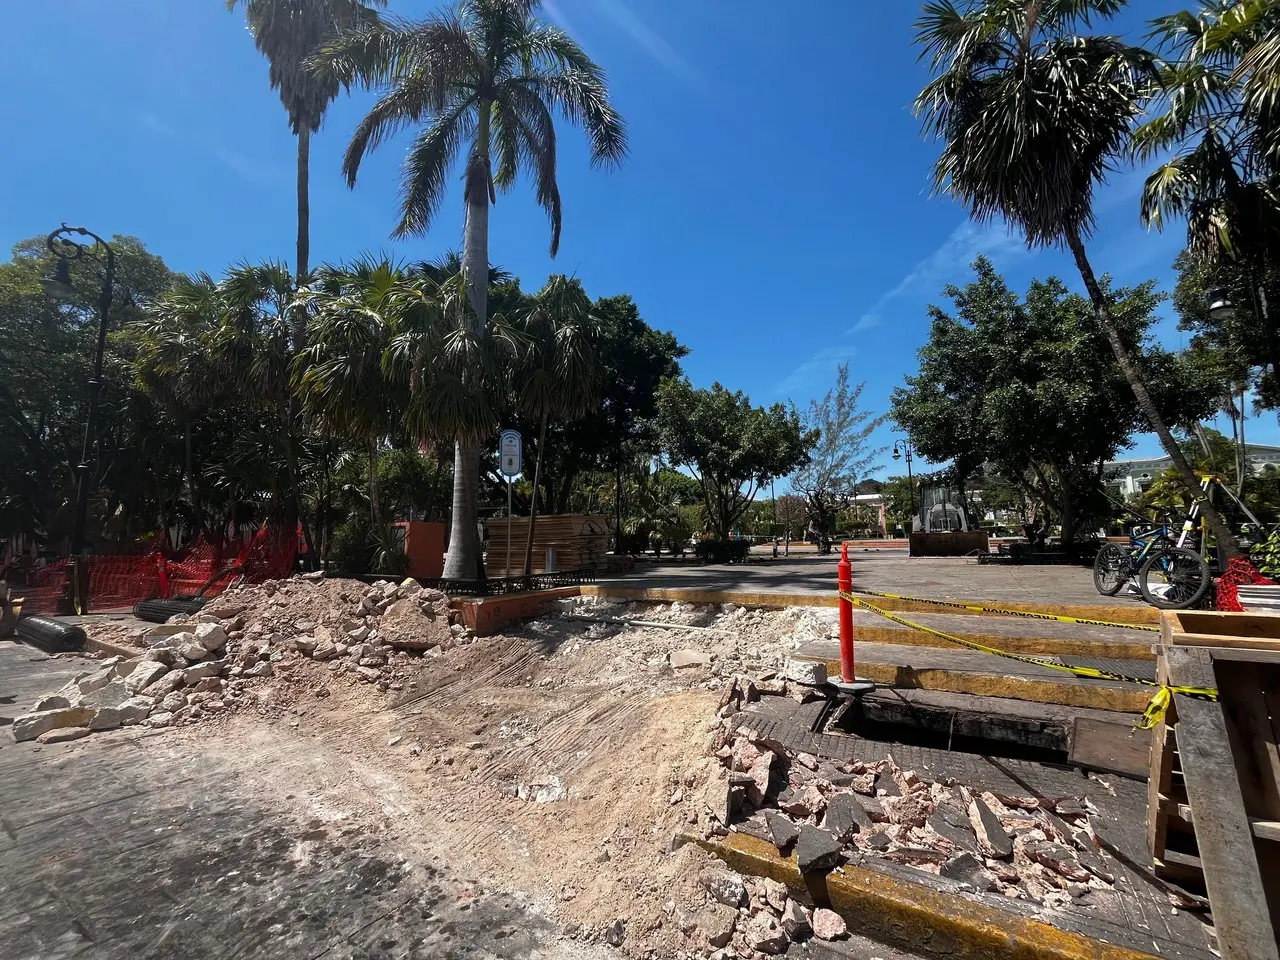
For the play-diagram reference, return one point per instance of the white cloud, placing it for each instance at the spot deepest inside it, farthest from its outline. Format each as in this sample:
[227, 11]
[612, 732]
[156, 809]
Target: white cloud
[818, 373]
[641, 34]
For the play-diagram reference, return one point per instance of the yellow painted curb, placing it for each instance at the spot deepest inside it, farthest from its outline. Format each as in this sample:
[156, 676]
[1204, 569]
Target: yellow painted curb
[1094, 695]
[1048, 646]
[914, 917]
[1116, 614]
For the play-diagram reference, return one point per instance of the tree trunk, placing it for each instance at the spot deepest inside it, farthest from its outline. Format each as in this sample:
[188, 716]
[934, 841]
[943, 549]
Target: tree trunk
[1068, 507]
[192, 489]
[304, 224]
[1227, 547]
[462, 562]
[533, 506]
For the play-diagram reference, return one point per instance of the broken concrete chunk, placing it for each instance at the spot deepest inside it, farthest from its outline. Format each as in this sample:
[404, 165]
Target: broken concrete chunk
[167, 684]
[135, 710]
[775, 893]
[31, 725]
[845, 816]
[888, 785]
[879, 841]
[718, 797]
[812, 673]
[716, 922]
[805, 802]
[781, 829]
[909, 811]
[952, 824]
[765, 934]
[817, 850]
[324, 650]
[200, 671]
[192, 649]
[1058, 859]
[112, 695]
[53, 701]
[827, 924]
[305, 645]
[795, 921]
[64, 735]
[759, 773]
[96, 680]
[211, 636]
[992, 839]
[144, 674]
[727, 888]
[966, 868]
[682, 659]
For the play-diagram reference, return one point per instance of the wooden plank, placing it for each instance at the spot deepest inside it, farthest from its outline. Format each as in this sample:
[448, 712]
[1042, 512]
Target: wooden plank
[1266, 829]
[1175, 624]
[1231, 872]
[1213, 640]
[1158, 784]
[1252, 736]
[1110, 746]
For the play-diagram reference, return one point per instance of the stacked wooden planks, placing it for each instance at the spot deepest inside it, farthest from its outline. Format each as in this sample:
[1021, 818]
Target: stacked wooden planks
[1214, 788]
[572, 541]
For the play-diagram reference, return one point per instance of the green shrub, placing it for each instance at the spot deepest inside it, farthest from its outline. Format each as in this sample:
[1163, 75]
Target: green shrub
[711, 550]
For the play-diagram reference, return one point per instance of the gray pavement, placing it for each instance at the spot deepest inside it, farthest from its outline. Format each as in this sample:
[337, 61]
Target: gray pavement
[887, 571]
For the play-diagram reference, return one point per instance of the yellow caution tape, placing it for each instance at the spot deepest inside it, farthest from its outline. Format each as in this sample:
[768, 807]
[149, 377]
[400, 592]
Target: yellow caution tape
[959, 605]
[1151, 716]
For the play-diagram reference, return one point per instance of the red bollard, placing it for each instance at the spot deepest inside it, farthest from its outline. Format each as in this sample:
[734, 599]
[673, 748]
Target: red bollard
[845, 574]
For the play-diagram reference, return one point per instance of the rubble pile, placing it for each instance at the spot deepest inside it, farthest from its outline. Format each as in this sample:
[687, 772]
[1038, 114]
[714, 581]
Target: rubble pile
[1044, 850]
[220, 659]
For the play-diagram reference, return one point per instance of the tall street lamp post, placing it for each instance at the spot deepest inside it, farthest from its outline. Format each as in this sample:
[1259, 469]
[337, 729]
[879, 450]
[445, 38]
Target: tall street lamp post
[1220, 307]
[66, 251]
[902, 450]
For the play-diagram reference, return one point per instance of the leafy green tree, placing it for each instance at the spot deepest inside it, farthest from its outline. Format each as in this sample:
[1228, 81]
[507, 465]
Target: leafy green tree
[287, 32]
[484, 77]
[46, 355]
[1032, 387]
[558, 374]
[731, 447]
[340, 376]
[828, 482]
[1222, 177]
[1032, 115]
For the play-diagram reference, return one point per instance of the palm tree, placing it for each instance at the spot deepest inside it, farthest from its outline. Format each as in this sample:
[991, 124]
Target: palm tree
[174, 366]
[1223, 178]
[253, 352]
[485, 77]
[287, 32]
[340, 376]
[1032, 116]
[559, 374]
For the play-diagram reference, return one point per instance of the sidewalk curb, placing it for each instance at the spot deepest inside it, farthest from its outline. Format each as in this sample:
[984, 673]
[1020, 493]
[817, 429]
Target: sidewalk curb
[913, 917]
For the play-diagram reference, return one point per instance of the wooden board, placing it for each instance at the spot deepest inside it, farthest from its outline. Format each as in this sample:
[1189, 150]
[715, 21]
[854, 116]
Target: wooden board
[1111, 746]
[1232, 876]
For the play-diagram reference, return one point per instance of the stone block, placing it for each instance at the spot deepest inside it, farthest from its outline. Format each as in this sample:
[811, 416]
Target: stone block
[144, 674]
[211, 636]
[812, 673]
[32, 725]
[817, 850]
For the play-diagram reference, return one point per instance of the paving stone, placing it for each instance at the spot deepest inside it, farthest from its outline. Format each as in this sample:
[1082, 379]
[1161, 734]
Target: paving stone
[817, 850]
[1058, 859]
[879, 841]
[781, 829]
[990, 833]
[845, 816]
[951, 822]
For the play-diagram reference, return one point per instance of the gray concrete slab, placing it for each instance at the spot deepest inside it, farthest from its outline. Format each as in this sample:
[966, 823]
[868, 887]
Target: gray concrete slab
[885, 571]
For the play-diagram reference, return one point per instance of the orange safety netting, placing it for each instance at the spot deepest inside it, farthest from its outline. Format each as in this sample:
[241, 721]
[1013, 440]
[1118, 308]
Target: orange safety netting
[117, 582]
[1239, 570]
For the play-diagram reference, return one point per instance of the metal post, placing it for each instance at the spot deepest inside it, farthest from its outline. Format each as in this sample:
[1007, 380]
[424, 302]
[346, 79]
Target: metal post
[844, 574]
[507, 566]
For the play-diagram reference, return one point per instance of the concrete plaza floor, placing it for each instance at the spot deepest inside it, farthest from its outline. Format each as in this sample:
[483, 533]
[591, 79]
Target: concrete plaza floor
[888, 571]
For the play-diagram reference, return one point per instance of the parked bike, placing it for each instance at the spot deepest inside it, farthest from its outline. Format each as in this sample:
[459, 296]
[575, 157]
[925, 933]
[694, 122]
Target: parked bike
[1167, 576]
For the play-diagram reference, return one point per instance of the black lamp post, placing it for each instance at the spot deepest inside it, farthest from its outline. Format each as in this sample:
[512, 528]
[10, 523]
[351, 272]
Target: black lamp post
[66, 250]
[902, 449]
[1218, 300]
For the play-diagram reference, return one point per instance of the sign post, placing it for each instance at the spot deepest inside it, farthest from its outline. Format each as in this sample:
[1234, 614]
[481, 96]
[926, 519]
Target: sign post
[510, 461]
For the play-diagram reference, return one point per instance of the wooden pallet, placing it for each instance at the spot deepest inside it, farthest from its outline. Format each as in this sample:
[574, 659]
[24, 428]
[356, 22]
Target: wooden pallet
[1214, 788]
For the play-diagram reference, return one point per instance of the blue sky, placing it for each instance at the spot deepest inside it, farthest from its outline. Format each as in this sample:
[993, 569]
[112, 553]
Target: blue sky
[775, 212]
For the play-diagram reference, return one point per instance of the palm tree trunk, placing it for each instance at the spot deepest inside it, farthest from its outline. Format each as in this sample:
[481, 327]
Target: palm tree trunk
[1227, 546]
[304, 224]
[533, 506]
[192, 491]
[463, 560]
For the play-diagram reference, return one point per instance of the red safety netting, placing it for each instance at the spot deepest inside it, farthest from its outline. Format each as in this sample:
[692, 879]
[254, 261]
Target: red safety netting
[117, 582]
[1239, 570]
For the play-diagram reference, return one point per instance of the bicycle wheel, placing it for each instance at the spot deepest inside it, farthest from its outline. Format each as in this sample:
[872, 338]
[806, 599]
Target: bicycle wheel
[1109, 573]
[1174, 578]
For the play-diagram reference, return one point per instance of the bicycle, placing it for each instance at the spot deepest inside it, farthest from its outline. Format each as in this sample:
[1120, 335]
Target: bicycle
[1167, 575]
